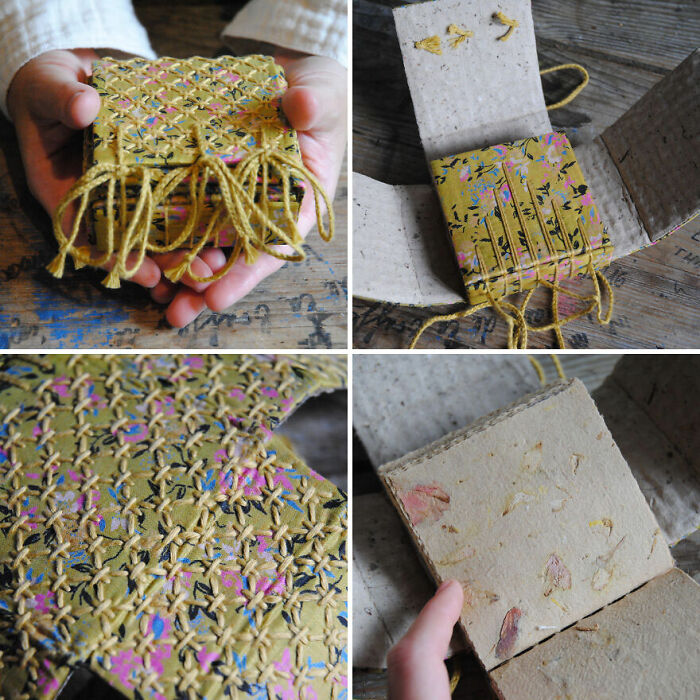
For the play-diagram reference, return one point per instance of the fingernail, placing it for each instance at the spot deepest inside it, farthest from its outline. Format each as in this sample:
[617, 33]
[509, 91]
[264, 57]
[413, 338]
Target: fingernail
[445, 585]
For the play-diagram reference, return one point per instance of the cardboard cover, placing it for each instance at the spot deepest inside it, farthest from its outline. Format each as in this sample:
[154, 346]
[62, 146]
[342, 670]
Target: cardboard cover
[646, 645]
[654, 146]
[403, 402]
[482, 92]
[556, 530]
[400, 251]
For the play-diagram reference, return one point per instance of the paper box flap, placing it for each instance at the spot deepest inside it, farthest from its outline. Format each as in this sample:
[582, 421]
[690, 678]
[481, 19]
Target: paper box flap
[483, 91]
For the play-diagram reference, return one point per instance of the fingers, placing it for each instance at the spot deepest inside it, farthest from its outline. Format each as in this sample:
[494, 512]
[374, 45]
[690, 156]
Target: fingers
[416, 663]
[316, 99]
[187, 304]
[56, 94]
[185, 307]
[148, 274]
[164, 291]
[200, 268]
[240, 280]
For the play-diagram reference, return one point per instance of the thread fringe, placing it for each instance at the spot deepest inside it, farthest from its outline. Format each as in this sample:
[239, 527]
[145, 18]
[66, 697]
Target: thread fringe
[238, 208]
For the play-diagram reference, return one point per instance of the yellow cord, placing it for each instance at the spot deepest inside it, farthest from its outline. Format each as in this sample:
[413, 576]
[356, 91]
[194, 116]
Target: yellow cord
[576, 91]
[559, 368]
[238, 208]
[538, 368]
[514, 316]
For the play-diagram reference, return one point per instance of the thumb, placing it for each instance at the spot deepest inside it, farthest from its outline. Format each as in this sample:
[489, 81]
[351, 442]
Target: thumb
[416, 666]
[59, 96]
[316, 97]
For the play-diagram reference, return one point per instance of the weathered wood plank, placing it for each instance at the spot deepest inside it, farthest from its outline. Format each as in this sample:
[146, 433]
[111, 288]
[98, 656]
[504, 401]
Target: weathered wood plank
[304, 305]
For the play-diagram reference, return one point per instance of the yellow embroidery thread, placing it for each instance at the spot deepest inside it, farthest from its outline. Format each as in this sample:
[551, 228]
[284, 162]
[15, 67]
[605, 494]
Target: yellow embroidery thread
[432, 44]
[460, 35]
[510, 23]
[575, 92]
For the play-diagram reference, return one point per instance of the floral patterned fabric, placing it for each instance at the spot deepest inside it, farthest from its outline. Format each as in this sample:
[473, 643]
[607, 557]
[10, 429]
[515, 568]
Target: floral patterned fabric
[152, 527]
[518, 213]
[160, 106]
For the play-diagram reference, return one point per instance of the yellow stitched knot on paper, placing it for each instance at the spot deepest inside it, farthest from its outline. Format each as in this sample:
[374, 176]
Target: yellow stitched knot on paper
[186, 153]
[510, 23]
[431, 44]
[460, 35]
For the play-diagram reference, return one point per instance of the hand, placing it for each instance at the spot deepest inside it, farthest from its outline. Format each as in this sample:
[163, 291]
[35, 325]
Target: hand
[416, 664]
[50, 104]
[316, 106]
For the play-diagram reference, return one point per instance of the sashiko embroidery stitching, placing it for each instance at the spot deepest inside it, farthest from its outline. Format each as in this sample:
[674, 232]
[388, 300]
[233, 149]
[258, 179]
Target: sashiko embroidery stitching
[186, 153]
[153, 528]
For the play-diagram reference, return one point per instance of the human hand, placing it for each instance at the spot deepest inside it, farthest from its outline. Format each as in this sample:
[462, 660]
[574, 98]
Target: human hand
[416, 663]
[50, 104]
[316, 106]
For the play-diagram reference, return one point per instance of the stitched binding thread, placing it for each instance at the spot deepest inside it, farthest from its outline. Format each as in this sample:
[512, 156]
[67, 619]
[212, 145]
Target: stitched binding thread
[460, 35]
[86, 400]
[510, 23]
[512, 314]
[239, 203]
[431, 44]
[237, 207]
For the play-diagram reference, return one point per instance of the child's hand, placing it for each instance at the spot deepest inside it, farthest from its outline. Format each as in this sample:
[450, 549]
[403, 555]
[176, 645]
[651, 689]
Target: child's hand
[50, 103]
[416, 664]
[316, 106]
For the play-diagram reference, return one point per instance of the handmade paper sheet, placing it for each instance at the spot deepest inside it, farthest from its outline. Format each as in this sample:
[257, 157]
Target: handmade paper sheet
[557, 530]
[646, 645]
[480, 93]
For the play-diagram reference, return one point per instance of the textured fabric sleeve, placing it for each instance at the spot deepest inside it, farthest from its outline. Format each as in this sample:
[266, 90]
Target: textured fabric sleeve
[312, 26]
[28, 28]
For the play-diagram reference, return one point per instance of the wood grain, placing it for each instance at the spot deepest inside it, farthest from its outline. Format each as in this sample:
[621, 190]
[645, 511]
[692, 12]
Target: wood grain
[304, 305]
[627, 47]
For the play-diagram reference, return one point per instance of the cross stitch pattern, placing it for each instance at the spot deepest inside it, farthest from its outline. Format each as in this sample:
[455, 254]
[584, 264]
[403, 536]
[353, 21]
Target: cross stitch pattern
[154, 528]
[211, 132]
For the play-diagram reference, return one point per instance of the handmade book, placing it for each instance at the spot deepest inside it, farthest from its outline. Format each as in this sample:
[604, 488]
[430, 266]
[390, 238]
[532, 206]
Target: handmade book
[647, 406]
[520, 214]
[478, 99]
[536, 512]
[186, 153]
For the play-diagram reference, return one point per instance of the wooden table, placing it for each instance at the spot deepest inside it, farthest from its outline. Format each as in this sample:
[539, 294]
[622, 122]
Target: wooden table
[304, 305]
[627, 47]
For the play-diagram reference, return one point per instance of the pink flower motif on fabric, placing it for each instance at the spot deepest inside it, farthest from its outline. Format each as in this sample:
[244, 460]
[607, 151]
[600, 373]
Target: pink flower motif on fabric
[205, 658]
[45, 680]
[60, 385]
[232, 579]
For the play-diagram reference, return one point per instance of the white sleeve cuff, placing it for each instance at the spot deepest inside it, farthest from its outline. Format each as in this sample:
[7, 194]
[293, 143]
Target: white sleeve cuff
[29, 28]
[317, 27]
